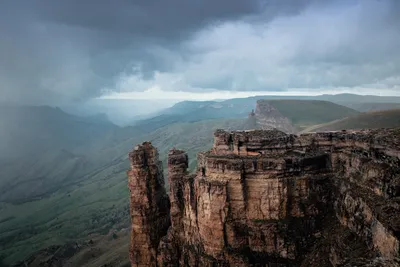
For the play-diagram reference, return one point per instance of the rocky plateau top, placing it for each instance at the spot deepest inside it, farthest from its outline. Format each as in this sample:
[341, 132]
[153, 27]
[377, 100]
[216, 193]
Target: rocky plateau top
[268, 198]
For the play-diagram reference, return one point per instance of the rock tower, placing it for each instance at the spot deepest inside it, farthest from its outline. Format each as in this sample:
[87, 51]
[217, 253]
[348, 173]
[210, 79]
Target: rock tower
[267, 198]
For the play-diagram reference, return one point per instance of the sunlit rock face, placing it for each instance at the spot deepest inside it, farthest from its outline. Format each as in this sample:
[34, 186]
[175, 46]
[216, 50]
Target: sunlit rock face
[267, 198]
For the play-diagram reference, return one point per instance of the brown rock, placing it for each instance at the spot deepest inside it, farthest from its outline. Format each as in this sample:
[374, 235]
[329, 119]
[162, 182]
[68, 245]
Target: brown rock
[266, 198]
[149, 205]
[269, 118]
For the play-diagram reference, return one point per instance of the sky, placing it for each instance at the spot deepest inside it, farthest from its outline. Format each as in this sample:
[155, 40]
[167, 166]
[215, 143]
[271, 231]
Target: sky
[58, 51]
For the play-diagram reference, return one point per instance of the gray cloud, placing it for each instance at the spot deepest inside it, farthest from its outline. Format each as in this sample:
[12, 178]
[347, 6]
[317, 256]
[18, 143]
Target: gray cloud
[71, 49]
[351, 44]
[57, 51]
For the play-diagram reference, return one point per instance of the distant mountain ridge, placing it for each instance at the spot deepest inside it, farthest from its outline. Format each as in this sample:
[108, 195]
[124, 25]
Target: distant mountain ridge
[348, 100]
[43, 148]
[366, 120]
[268, 118]
[70, 180]
[42, 134]
[374, 106]
[301, 112]
[354, 98]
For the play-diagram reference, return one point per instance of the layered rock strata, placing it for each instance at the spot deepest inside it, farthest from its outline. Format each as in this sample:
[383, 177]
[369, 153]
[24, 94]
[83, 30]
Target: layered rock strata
[266, 198]
[269, 118]
[149, 205]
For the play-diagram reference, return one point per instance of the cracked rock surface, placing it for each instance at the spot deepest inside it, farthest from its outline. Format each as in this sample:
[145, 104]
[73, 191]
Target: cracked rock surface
[267, 198]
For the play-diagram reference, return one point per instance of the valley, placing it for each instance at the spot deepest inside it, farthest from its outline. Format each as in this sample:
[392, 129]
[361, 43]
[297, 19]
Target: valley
[69, 182]
[179, 133]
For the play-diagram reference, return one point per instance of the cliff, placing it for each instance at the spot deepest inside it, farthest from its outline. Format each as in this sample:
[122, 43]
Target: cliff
[266, 198]
[268, 118]
[149, 205]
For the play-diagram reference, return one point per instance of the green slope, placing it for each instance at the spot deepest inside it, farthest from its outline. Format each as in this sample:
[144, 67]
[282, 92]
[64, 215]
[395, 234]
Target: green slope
[303, 113]
[99, 201]
[353, 98]
[29, 130]
[374, 119]
[365, 107]
[44, 148]
[192, 137]
[70, 176]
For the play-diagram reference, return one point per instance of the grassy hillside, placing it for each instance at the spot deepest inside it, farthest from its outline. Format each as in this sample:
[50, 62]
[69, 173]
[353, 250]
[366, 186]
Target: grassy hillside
[28, 130]
[303, 113]
[44, 148]
[101, 250]
[64, 178]
[192, 111]
[191, 137]
[365, 107]
[353, 98]
[99, 201]
[375, 119]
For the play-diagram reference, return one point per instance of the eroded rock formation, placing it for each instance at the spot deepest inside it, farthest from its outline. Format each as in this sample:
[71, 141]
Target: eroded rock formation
[149, 205]
[269, 118]
[266, 198]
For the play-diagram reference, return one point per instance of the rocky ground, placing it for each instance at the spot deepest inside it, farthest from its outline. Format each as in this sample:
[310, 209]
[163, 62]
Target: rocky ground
[266, 198]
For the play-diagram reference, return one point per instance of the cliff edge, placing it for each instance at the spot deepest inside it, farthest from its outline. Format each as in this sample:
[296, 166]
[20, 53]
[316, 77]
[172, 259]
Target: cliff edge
[268, 118]
[267, 198]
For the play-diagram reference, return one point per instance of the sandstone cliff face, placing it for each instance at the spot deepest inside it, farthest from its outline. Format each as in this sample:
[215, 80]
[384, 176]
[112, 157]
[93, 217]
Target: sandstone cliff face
[150, 214]
[266, 198]
[268, 118]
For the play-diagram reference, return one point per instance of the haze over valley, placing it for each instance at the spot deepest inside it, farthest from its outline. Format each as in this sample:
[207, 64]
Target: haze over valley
[83, 83]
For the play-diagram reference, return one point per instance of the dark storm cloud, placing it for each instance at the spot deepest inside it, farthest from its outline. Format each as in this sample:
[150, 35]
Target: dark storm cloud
[144, 18]
[70, 50]
[330, 46]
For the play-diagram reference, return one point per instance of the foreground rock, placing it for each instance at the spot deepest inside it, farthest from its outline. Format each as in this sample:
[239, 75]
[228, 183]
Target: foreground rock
[266, 198]
[149, 205]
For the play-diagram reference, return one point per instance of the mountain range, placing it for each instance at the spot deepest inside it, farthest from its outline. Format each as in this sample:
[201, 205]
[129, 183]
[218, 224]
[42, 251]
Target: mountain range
[63, 176]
